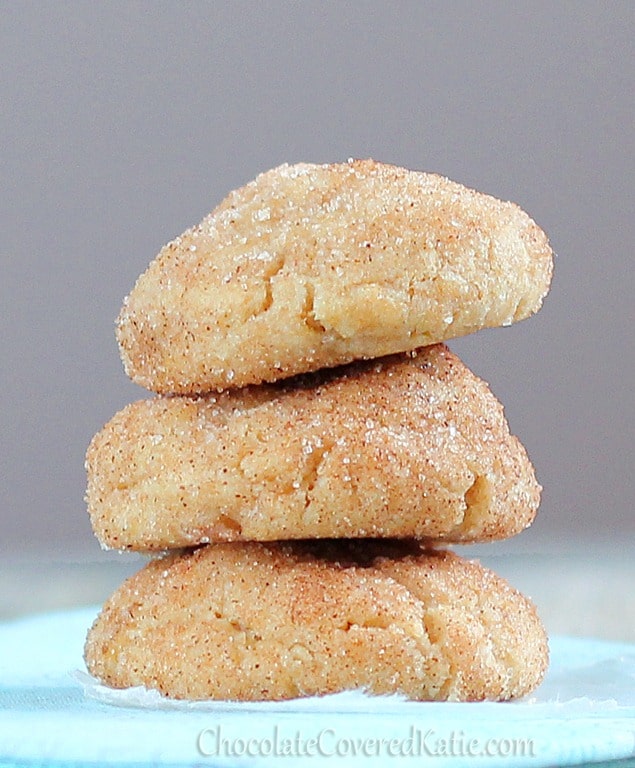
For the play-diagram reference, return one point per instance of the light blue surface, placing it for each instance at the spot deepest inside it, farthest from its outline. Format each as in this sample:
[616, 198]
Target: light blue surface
[584, 712]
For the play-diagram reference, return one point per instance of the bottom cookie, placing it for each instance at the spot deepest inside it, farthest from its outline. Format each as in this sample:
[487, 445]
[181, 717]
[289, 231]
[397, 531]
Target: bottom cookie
[249, 621]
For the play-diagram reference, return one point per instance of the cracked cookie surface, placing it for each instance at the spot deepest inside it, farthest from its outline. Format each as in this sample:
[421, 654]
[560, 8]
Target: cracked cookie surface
[312, 266]
[254, 621]
[412, 445]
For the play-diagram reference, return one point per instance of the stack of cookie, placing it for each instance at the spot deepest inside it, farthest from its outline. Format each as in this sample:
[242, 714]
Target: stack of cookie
[313, 447]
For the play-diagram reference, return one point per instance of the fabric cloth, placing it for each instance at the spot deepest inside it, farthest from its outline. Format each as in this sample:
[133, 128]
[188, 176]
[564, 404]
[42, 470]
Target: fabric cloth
[53, 714]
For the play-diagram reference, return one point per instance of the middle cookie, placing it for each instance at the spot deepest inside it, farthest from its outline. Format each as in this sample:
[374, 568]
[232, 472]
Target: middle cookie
[405, 446]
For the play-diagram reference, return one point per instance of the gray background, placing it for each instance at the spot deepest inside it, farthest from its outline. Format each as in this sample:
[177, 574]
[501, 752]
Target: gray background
[122, 124]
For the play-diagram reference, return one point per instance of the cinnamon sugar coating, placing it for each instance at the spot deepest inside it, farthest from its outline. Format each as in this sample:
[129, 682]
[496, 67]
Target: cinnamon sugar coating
[312, 266]
[254, 621]
[406, 446]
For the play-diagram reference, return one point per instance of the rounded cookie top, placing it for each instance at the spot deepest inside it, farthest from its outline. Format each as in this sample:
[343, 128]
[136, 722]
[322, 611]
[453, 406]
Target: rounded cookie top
[311, 266]
[267, 622]
[412, 445]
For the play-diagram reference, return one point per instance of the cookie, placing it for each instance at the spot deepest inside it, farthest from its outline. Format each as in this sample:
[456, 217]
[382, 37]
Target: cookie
[312, 266]
[412, 445]
[251, 621]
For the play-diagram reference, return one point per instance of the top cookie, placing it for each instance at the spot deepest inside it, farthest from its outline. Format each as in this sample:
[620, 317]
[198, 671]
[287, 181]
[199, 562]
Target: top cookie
[311, 266]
